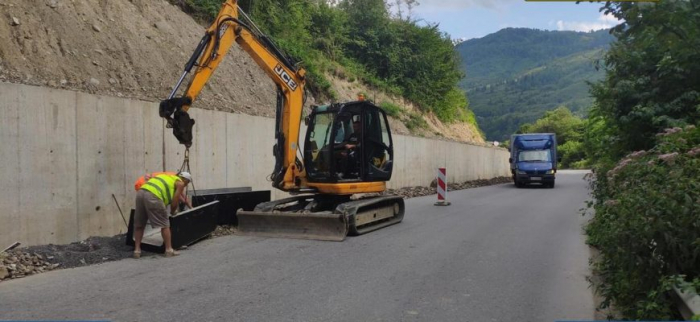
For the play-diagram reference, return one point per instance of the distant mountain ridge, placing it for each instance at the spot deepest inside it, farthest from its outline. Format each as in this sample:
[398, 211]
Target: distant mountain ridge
[515, 75]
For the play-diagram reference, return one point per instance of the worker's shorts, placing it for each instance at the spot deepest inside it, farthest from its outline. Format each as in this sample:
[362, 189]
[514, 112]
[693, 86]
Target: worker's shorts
[150, 208]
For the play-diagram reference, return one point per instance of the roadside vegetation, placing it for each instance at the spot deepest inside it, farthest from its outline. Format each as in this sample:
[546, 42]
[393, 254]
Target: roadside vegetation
[361, 40]
[643, 142]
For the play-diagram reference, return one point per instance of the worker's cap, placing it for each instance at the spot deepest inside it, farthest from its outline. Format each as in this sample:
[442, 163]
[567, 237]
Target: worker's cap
[185, 175]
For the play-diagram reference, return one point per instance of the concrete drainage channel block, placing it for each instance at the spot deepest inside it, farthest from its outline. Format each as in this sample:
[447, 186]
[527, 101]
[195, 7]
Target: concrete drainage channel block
[187, 228]
[230, 201]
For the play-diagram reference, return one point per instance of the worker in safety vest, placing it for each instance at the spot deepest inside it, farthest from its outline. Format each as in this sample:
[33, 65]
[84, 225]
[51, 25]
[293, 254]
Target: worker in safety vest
[151, 201]
[141, 180]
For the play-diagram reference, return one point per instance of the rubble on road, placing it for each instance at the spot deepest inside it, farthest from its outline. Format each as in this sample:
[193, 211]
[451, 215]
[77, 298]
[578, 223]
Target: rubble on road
[419, 191]
[223, 230]
[18, 263]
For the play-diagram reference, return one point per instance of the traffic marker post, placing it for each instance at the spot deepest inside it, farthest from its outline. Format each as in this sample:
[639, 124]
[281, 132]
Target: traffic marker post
[442, 188]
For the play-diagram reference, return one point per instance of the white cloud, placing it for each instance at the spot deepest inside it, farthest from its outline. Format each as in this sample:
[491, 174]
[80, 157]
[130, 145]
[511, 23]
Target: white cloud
[603, 22]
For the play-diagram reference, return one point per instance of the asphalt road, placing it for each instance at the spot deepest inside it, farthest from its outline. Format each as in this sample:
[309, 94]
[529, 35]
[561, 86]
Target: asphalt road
[497, 254]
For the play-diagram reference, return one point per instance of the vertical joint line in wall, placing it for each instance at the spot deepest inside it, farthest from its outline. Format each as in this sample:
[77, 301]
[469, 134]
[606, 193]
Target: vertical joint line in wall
[19, 164]
[163, 137]
[77, 171]
[226, 150]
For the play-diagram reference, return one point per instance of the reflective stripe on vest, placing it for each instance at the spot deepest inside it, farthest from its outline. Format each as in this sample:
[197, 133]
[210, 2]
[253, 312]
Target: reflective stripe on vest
[162, 186]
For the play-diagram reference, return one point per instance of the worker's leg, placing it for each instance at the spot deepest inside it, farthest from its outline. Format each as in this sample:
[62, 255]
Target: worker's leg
[158, 215]
[138, 237]
[167, 239]
[140, 219]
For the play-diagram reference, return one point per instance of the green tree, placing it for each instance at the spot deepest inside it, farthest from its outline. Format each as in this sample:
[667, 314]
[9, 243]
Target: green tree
[652, 78]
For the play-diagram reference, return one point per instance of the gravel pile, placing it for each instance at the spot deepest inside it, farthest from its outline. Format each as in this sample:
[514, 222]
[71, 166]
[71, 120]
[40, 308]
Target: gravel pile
[411, 192]
[93, 250]
[37, 259]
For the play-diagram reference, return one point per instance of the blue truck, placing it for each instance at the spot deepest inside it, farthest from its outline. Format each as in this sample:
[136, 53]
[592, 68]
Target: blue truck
[533, 159]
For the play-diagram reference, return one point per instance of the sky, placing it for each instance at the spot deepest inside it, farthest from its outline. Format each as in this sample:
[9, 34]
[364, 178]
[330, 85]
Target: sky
[466, 19]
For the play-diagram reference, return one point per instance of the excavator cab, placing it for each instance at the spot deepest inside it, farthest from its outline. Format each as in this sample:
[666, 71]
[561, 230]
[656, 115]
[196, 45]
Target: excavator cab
[348, 142]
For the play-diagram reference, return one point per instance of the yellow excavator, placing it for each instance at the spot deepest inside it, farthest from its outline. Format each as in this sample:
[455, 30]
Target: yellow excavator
[347, 149]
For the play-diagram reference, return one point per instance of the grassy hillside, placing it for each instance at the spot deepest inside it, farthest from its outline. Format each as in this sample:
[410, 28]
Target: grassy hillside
[362, 41]
[515, 75]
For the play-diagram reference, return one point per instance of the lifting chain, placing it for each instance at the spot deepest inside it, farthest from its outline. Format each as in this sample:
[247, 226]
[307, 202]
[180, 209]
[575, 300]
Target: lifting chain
[186, 167]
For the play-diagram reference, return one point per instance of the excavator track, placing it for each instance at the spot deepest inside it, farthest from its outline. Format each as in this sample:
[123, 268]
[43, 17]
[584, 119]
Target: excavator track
[320, 217]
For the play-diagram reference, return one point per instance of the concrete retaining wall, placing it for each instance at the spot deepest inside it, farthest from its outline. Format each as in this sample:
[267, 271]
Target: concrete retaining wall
[65, 153]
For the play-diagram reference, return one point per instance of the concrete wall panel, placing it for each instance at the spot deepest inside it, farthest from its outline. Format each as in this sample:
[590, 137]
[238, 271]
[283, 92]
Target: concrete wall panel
[102, 155]
[48, 179]
[9, 165]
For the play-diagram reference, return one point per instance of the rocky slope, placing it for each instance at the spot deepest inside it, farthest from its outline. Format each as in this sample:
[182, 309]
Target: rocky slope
[123, 48]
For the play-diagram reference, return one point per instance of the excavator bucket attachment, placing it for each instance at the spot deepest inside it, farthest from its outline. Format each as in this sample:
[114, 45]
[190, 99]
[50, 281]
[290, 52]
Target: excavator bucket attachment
[319, 226]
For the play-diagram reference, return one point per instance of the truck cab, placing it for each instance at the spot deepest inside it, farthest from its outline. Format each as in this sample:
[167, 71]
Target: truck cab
[533, 159]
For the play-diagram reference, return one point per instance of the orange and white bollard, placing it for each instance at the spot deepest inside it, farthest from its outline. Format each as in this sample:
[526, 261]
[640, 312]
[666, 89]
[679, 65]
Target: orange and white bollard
[442, 188]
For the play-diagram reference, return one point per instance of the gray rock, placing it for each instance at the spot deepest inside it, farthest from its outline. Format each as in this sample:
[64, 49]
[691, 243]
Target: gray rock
[96, 28]
[94, 82]
[433, 184]
[161, 25]
[112, 81]
[4, 273]
[15, 21]
[52, 3]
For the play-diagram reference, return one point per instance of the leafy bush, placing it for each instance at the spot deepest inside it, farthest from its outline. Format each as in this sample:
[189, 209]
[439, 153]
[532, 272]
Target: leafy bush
[416, 122]
[571, 152]
[647, 225]
[391, 109]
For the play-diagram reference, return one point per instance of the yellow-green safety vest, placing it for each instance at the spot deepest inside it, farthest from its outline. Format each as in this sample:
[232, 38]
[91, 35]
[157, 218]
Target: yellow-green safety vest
[162, 186]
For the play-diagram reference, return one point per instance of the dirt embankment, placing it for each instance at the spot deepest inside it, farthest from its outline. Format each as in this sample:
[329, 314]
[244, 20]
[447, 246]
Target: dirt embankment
[137, 49]
[125, 48]
[433, 127]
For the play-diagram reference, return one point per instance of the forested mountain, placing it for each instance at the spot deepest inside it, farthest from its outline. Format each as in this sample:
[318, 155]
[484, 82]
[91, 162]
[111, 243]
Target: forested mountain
[517, 74]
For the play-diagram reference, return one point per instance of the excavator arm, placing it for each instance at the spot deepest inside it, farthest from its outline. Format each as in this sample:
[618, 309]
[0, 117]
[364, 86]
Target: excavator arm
[227, 29]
